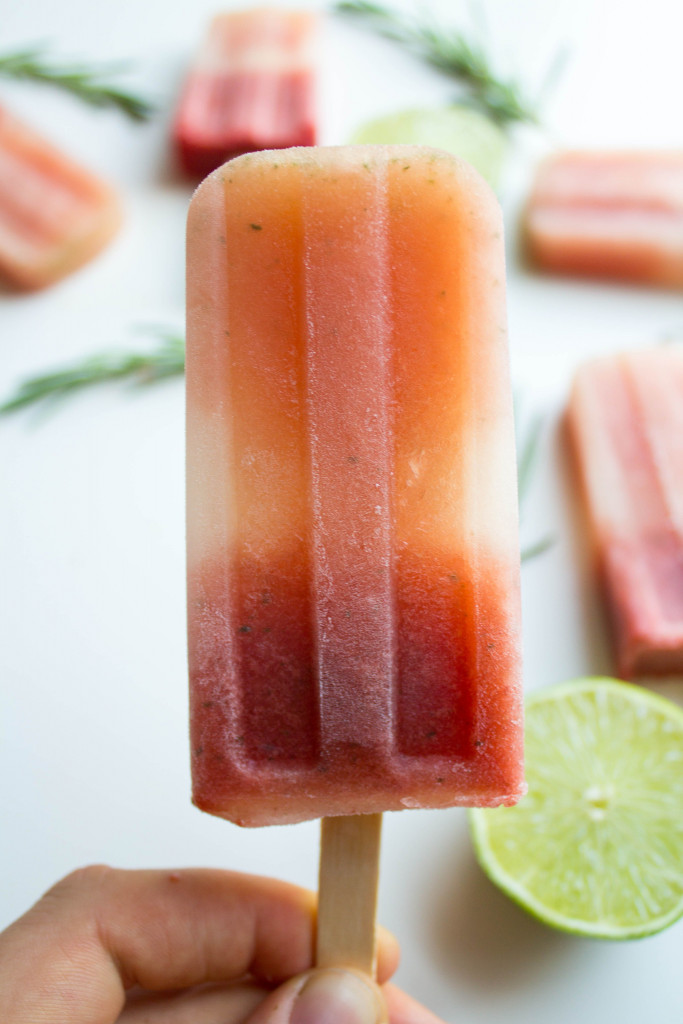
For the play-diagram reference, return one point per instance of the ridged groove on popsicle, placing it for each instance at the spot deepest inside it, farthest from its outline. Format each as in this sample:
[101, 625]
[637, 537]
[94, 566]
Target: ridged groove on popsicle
[347, 302]
[455, 710]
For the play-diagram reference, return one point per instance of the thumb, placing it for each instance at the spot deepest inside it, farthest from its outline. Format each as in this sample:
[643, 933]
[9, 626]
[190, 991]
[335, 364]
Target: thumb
[324, 996]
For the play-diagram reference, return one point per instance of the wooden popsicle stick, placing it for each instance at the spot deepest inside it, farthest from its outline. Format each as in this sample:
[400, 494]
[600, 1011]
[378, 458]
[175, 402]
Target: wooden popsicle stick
[347, 892]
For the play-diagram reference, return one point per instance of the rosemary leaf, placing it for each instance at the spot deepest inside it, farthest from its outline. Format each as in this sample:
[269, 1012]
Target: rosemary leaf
[167, 360]
[451, 52]
[528, 442]
[528, 452]
[87, 83]
[537, 548]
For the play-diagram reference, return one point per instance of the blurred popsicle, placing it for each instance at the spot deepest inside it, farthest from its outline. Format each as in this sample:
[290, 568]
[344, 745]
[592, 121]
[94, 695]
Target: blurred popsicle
[353, 558]
[54, 215]
[251, 87]
[626, 423]
[609, 215]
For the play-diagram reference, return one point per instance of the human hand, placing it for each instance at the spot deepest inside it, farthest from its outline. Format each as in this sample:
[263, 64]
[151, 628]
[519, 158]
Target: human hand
[184, 947]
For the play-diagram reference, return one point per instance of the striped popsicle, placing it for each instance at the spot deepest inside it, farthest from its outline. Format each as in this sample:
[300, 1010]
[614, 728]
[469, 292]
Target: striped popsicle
[251, 88]
[54, 215]
[626, 422]
[609, 215]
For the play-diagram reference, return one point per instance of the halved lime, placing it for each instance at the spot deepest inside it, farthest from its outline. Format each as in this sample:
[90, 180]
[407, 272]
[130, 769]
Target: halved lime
[596, 846]
[459, 130]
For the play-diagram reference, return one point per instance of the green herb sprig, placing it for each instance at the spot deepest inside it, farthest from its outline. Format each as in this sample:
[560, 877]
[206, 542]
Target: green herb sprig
[141, 369]
[168, 360]
[450, 51]
[528, 446]
[87, 83]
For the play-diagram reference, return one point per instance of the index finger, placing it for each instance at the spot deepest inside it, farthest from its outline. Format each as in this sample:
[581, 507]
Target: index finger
[100, 931]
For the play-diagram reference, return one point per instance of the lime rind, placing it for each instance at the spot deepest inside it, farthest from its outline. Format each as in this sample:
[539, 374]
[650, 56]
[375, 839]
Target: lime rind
[457, 129]
[596, 847]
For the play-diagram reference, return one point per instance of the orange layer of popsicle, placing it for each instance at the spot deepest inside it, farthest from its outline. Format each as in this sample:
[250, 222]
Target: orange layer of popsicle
[54, 215]
[251, 88]
[609, 215]
[626, 422]
[352, 552]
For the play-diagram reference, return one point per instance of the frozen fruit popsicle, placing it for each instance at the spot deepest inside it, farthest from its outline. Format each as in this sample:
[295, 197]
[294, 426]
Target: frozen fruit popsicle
[353, 556]
[251, 88]
[626, 422]
[609, 215]
[54, 215]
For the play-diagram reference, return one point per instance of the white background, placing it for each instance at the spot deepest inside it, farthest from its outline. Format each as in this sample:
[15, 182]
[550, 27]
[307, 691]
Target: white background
[93, 737]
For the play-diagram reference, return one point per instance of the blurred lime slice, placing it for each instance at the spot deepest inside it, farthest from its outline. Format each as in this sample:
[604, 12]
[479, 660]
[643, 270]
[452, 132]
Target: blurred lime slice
[460, 130]
[596, 846]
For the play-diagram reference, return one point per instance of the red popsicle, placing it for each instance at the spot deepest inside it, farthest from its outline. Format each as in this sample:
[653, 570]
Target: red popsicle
[252, 87]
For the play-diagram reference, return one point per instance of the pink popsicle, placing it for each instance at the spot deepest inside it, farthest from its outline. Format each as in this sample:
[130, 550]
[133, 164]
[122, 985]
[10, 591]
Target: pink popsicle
[626, 422]
[609, 215]
[54, 215]
[353, 557]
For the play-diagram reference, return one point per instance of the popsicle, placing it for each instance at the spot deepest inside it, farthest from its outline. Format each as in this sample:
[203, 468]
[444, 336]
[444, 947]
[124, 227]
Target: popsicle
[353, 557]
[252, 87]
[54, 215]
[615, 215]
[626, 423]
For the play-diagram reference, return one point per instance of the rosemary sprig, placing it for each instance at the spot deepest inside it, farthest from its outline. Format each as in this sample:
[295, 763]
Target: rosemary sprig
[528, 446]
[528, 453]
[87, 83]
[167, 360]
[452, 52]
[537, 548]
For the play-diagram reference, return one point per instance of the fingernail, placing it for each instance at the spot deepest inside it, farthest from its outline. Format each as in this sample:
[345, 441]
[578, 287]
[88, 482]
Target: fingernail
[334, 996]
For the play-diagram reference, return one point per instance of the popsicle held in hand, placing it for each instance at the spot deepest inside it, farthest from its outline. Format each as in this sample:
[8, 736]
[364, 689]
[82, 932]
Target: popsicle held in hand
[54, 215]
[626, 423]
[353, 557]
[252, 87]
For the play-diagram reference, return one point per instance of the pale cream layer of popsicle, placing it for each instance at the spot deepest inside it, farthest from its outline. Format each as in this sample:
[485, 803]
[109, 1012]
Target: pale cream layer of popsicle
[626, 422]
[352, 523]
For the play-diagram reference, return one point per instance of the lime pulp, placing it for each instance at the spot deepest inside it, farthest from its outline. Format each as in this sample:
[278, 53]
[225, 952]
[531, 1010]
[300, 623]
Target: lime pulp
[457, 129]
[596, 846]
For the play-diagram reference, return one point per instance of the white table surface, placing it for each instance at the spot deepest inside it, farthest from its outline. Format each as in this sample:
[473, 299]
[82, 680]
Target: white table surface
[93, 735]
